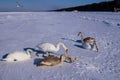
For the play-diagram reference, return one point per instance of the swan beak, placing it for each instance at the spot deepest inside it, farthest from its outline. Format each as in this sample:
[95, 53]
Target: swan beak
[66, 51]
[79, 33]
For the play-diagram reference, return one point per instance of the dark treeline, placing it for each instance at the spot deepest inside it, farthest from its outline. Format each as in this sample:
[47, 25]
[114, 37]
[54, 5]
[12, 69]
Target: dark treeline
[102, 6]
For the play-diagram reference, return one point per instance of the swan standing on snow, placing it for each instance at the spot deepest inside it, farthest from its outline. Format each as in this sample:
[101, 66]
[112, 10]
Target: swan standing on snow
[19, 56]
[88, 42]
[50, 48]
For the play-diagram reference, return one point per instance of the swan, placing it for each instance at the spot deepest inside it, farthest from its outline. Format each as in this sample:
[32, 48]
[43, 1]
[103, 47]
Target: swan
[18, 5]
[52, 60]
[19, 56]
[51, 48]
[88, 42]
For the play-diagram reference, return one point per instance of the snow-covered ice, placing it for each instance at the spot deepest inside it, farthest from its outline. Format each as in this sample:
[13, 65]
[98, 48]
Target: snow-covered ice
[20, 30]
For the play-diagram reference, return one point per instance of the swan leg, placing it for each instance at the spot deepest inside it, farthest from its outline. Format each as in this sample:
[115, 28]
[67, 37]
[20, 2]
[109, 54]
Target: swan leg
[43, 55]
[48, 53]
[93, 48]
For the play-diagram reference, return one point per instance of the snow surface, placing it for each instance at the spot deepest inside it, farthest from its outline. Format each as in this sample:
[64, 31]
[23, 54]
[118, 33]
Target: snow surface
[20, 30]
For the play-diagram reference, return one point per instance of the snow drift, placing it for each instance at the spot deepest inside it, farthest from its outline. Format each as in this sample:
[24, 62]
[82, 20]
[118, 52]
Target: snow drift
[26, 30]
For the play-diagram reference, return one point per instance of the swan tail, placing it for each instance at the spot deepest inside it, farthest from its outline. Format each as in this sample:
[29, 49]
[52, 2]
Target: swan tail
[3, 60]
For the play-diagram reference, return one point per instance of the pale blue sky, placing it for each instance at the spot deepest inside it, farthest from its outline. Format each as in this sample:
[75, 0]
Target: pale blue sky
[37, 5]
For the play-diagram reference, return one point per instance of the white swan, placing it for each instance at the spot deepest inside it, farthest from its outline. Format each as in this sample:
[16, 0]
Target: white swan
[19, 56]
[51, 48]
[88, 42]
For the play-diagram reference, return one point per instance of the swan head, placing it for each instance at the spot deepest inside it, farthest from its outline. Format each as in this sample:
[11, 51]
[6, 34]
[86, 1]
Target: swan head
[29, 51]
[68, 59]
[63, 45]
[66, 51]
[79, 33]
[71, 59]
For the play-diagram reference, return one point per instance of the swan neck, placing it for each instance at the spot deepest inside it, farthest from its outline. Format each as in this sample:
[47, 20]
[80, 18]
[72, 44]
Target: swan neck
[96, 45]
[28, 51]
[61, 44]
[81, 35]
[62, 58]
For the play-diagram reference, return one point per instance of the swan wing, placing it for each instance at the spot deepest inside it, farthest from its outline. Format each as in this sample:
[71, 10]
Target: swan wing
[86, 45]
[47, 47]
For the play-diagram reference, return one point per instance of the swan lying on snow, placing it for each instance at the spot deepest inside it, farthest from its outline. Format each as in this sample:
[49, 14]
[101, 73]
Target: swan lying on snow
[88, 42]
[19, 56]
[52, 60]
[51, 48]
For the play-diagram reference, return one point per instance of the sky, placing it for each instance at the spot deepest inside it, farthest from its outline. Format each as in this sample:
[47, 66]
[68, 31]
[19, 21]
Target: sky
[37, 5]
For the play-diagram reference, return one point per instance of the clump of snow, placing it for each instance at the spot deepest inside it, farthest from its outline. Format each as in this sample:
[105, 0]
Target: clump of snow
[26, 30]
